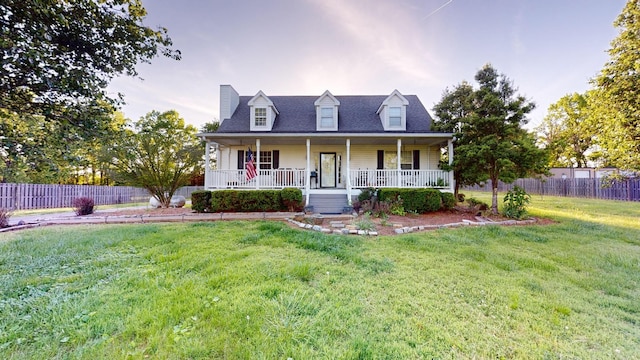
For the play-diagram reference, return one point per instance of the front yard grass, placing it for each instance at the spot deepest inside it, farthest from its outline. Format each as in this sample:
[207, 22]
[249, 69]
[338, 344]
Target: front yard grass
[260, 289]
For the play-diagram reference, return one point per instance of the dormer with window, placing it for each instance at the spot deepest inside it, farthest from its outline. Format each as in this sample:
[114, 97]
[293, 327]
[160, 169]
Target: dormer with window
[327, 112]
[393, 112]
[263, 112]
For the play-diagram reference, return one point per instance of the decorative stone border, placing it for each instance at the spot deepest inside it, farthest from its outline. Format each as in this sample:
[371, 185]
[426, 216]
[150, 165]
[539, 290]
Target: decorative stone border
[339, 228]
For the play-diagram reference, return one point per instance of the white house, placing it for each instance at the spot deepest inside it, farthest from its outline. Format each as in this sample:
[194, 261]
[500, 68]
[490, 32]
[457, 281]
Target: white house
[328, 146]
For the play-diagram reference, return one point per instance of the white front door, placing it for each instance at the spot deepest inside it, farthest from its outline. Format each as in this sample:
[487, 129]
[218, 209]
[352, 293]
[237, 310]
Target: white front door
[327, 170]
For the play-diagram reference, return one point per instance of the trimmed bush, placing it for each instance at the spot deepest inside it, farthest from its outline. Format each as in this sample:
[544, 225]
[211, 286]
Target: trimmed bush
[201, 201]
[448, 200]
[414, 200]
[292, 199]
[246, 200]
[83, 206]
[433, 200]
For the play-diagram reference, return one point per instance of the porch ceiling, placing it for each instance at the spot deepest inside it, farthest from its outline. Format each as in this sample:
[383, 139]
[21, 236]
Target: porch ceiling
[428, 139]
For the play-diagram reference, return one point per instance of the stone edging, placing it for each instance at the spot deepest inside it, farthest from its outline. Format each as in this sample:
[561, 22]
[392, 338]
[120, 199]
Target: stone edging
[338, 228]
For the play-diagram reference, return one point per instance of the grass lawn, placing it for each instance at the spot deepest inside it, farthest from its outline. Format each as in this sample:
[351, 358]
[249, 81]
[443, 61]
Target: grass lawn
[261, 290]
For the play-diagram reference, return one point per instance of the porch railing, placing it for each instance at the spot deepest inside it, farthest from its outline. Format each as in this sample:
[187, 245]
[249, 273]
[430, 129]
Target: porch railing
[358, 179]
[266, 179]
[399, 179]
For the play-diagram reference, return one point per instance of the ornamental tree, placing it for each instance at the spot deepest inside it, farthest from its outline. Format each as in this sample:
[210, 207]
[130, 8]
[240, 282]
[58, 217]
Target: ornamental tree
[160, 153]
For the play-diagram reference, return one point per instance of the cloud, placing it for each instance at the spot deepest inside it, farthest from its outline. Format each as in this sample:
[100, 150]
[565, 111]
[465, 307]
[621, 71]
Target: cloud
[387, 33]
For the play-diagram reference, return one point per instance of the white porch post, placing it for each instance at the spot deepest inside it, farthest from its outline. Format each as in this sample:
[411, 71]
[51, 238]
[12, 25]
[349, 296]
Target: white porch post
[398, 167]
[450, 151]
[348, 172]
[218, 156]
[307, 181]
[207, 175]
[257, 158]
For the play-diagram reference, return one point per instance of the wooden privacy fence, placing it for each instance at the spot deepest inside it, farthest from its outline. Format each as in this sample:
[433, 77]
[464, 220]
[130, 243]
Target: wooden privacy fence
[628, 190]
[187, 190]
[45, 196]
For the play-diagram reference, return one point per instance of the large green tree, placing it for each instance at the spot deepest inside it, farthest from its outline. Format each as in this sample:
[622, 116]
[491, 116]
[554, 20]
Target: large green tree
[35, 150]
[566, 132]
[159, 154]
[57, 57]
[491, 142]
[617, 95]
[455, 106]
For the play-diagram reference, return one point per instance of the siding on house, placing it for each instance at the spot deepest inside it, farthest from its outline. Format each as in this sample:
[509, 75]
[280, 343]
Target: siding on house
[362, 156]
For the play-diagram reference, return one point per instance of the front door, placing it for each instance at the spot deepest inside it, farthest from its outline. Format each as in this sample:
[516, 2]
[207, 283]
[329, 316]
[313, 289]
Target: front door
[328, 170]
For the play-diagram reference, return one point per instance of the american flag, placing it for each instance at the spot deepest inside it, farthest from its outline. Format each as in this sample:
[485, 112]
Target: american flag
[251, 167]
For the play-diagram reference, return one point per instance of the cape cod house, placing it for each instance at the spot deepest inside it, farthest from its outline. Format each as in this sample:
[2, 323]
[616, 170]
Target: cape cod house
[329, 146]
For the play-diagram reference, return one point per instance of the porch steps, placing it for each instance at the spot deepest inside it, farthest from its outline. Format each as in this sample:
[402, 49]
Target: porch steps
[328, 203]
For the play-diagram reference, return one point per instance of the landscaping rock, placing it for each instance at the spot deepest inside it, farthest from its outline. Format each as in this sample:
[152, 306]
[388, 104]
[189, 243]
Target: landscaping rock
[177, 201]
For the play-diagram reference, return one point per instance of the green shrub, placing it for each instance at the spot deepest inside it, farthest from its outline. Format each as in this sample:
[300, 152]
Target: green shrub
[475, 203]
[448, 200]
[292, 199]
[433, 200]
[367, 194]
[364, 223]
[83, 206]
[414, 200]
[224, 200]
[259, 200]
[201, 201]
[515, 203]
[246, 200]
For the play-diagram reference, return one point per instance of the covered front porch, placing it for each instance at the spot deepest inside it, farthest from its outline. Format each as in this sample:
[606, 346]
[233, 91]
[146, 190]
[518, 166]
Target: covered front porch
[308, 180]
[317, 163]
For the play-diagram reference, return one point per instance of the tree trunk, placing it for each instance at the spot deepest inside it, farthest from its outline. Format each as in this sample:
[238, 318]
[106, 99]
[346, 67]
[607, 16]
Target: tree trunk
[494, 197]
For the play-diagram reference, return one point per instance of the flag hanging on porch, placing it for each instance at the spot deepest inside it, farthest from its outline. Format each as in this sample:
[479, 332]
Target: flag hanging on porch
[250, 166]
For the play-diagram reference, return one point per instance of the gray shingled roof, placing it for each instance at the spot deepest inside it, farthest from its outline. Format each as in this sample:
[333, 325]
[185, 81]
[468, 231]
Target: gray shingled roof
[356, 114]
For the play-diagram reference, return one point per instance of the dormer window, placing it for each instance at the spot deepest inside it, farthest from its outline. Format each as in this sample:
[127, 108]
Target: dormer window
[393, 112]
[395, 116]
[326, 118]
[327, 112]
[263, 112]
[260, 116]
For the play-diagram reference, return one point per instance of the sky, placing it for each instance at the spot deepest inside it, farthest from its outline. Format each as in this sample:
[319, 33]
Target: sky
[548, 48]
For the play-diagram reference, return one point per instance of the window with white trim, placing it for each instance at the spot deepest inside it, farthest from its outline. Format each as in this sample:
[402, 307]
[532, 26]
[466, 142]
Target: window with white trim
[260, 116]
[395, 116]
[391, 160]
[265, 159]
[326, 117]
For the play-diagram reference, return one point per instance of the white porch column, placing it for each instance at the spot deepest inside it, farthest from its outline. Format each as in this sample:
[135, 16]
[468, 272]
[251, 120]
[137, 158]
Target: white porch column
[207, 175]
[348, 171]
[257, 158]
[217, 157]
[398, 165]
[307, 180]
[452, 184]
